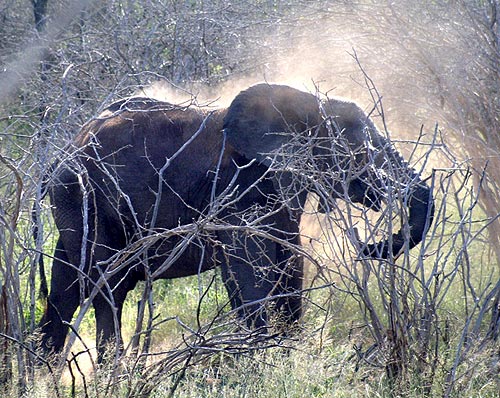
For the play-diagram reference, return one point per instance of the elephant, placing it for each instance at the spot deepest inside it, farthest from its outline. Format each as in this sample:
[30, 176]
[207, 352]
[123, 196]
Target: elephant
[156, 190]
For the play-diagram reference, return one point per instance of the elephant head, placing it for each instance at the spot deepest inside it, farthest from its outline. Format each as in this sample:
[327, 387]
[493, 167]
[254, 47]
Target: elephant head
[330, 147]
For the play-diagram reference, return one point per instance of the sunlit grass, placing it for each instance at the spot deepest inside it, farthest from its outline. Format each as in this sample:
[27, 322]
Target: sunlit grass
[189, 301]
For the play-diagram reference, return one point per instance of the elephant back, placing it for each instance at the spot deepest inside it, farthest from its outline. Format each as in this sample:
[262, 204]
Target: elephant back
[262, 118]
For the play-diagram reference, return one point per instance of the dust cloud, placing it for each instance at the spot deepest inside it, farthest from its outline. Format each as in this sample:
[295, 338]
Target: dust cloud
[328, 56]
[404, 63]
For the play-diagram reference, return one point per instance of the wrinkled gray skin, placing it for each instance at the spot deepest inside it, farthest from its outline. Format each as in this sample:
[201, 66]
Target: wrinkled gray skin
[122, 152]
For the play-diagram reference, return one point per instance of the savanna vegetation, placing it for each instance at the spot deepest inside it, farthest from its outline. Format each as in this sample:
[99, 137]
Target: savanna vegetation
[425, 323]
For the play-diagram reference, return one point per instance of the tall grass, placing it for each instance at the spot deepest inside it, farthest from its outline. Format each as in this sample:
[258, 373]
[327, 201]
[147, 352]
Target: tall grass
[320, 365]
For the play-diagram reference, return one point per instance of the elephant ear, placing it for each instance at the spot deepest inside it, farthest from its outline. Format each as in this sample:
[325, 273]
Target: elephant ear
[262, 119]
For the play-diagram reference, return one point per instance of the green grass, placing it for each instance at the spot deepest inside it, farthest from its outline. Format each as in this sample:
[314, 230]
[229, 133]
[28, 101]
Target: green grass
[302, 374]
[323, 362]
[188, 300]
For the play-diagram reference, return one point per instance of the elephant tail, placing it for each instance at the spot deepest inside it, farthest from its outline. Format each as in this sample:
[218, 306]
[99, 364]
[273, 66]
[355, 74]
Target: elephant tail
[37, 233]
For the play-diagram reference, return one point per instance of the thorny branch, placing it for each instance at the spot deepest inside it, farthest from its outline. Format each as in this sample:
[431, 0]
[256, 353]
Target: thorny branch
[405, 322]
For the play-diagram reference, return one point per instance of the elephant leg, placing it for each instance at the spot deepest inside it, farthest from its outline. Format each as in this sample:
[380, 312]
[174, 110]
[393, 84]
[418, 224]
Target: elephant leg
[62, 302]
[108, 314]
[108, 324]
[289, 302]
[262, 277]
[249, 277]
[248, 297]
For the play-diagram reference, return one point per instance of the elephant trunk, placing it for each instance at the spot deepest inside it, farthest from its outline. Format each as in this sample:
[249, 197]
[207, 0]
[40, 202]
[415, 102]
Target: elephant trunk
[420, 206]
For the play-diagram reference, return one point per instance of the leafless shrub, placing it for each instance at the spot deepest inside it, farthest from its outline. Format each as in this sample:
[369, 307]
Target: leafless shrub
[434, 309]
[405, 300]
[402, 300]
